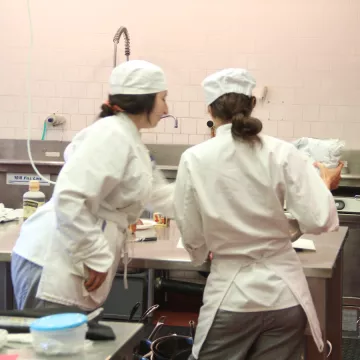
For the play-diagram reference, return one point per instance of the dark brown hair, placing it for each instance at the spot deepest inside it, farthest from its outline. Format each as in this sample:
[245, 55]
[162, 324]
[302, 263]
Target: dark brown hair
[237, 108]
[131, 104]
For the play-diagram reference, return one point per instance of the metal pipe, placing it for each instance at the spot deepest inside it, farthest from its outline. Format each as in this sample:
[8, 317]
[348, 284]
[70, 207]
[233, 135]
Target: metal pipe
[115, 54]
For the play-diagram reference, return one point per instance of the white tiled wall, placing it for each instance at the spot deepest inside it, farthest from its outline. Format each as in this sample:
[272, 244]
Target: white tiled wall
[306, 52]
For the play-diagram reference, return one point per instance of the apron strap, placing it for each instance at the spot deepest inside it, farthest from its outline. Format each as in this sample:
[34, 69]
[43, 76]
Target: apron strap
[126, 260]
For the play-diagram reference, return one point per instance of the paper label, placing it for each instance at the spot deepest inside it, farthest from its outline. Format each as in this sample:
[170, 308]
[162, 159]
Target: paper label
[24, 179]
[30, 206]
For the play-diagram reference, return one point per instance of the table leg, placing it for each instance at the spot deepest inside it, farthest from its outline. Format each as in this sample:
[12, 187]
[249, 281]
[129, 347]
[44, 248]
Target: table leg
[151, 287]
[318, 289]
[333, 317]
[7, 293]
[9, 288]
[334, 309]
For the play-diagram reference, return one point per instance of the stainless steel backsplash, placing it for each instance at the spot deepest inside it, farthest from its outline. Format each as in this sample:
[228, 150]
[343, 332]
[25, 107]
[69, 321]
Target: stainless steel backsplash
[17, 149]
[165, 155]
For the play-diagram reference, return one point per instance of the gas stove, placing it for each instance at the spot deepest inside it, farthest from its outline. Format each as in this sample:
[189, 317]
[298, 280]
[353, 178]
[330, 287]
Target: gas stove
[347, 199]
[345, 204]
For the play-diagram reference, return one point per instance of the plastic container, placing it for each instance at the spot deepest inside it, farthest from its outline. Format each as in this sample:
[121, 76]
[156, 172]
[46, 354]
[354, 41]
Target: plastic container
[32, 199]
[59, 334]
[161, 220]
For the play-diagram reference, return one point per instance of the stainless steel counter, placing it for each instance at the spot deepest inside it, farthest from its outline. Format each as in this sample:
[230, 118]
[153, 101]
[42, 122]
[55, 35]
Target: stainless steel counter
[164, 254]
[323, 269]
[8, 234]
[128, 335]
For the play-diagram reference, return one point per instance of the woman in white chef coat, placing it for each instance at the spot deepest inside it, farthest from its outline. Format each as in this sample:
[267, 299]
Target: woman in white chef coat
[229, 198]
[69, 250]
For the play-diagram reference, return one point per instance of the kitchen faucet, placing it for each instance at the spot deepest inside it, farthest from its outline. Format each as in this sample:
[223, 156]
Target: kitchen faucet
[121, 31]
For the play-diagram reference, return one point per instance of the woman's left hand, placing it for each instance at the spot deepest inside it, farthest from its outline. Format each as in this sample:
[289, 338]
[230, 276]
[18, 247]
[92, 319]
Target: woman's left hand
[95, 279]
[331, 177]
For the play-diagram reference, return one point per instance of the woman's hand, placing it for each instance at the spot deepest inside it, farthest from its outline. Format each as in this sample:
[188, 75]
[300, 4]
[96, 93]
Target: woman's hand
[210, 255]
[95, 279]
[331, 177]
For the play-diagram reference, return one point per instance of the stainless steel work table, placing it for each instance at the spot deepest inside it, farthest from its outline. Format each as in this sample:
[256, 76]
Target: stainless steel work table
[128, 336]
[322, 268]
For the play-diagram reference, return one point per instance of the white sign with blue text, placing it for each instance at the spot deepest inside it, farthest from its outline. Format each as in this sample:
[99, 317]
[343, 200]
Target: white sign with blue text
[23, 179]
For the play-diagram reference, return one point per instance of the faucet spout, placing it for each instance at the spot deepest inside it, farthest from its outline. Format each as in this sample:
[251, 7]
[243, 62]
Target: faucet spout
[121, 31]
[176, 123]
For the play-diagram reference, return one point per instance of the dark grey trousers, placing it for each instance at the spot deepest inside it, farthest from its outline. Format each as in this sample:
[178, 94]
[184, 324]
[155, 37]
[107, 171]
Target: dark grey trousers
[268, 335]
[25, 277]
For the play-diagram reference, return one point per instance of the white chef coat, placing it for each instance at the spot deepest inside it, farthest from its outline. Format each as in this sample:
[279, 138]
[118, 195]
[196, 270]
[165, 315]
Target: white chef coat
[229, 199]
[108, 177]
[34, 232]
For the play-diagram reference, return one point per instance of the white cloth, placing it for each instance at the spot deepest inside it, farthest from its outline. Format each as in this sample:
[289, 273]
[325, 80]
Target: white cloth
[229, 199]
[137, 77]
[109, 176]
[326, 151]
[226, 81]
[7, 214]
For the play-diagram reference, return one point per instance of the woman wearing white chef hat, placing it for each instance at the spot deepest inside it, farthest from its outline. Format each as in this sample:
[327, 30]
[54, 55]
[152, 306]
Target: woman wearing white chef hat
[229, 199]
[69, 250]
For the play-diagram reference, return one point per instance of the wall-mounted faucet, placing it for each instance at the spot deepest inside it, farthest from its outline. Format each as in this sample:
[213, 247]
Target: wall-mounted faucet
[121, 31]
[176, 123]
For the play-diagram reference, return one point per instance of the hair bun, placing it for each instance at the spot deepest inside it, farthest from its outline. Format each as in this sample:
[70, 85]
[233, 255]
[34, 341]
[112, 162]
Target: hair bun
[106, 110]
[237, 108]
[245, 127]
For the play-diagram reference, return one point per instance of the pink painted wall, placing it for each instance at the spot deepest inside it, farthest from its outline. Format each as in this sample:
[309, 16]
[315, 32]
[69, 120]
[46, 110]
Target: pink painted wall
[306, 52]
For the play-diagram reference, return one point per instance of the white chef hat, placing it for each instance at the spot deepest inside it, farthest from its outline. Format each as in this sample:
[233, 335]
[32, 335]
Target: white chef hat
[137, 77]
[227, 81]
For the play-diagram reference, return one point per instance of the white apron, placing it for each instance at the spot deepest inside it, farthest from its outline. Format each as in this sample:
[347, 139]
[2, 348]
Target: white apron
[284, 262]
[60, 267]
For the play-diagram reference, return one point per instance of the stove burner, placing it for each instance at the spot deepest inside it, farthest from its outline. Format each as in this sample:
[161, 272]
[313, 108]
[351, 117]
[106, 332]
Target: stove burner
[340, 205]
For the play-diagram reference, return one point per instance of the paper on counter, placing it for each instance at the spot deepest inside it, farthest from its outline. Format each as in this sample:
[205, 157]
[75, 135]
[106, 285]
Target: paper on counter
[180, 244]
[7, 214]
[301, 243]
[20, 338]
[304, 244]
